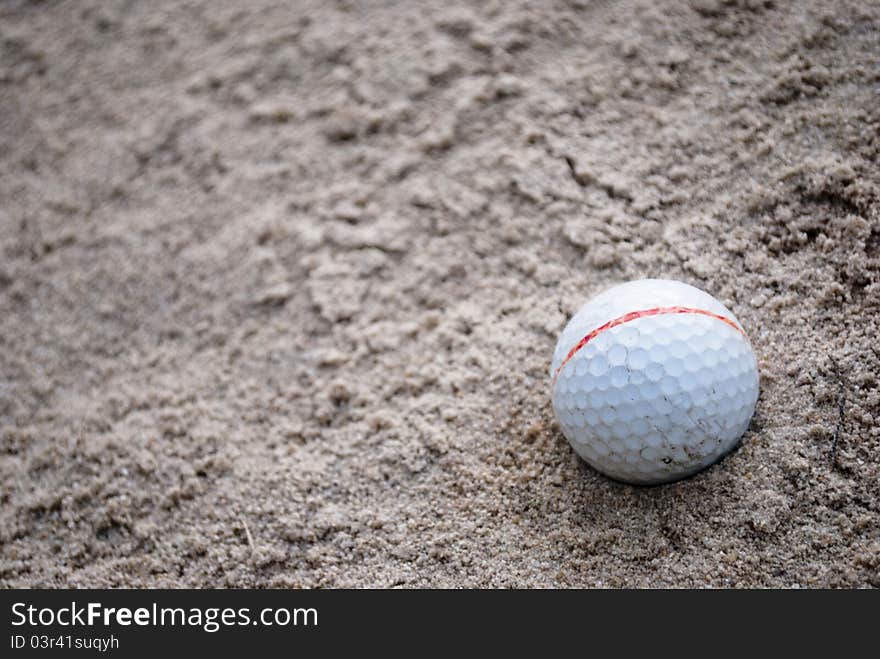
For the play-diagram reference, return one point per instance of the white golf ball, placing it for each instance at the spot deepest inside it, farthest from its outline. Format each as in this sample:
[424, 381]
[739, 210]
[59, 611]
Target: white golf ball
[653, 380]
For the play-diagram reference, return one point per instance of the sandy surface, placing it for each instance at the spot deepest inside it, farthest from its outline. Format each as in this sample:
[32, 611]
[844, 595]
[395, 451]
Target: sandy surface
[279, 287]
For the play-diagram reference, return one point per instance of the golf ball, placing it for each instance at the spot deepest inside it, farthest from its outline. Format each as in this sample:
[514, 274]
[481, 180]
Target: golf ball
[653, 380]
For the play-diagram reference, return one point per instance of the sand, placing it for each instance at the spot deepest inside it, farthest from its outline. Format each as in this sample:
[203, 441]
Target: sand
[280, 284]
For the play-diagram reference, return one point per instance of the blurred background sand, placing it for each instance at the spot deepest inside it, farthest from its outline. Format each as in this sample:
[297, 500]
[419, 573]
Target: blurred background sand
[280, 283]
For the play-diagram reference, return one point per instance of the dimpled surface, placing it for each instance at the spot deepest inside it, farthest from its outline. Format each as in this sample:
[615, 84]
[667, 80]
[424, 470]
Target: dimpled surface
[654, 398]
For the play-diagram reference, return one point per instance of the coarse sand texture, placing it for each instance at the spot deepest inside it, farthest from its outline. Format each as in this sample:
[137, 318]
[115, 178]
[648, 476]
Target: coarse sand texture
[280, 283]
